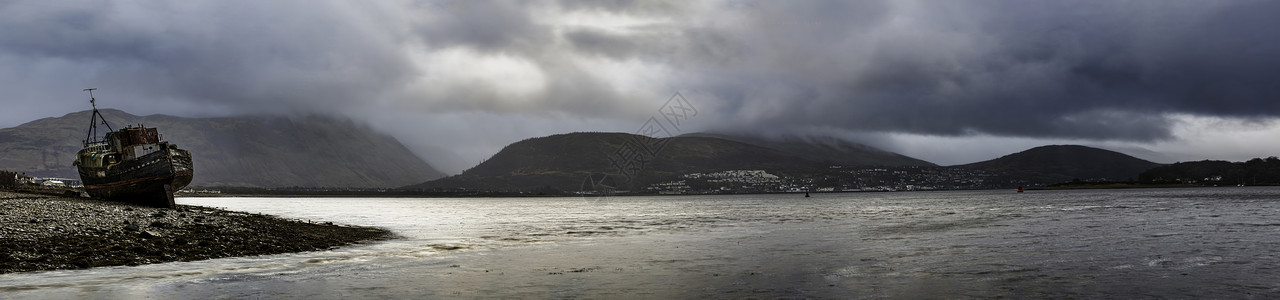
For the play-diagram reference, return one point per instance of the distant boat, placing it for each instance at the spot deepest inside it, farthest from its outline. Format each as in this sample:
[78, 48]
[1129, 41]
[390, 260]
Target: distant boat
[131, 165]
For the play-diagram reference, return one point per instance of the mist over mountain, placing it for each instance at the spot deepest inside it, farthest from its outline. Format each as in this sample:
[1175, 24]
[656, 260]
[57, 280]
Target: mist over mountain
[1060, 163]
[329, 152]
[257, 151]
[826, 150]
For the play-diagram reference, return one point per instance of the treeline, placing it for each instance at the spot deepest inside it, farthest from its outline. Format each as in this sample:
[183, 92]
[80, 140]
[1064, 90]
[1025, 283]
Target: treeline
[1257, 171]
[8, 179]
[360, 192]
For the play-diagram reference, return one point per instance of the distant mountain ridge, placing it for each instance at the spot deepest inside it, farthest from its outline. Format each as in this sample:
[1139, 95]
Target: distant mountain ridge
[255, 151]
[1060, 163]
[564, 161]
[1257, 171]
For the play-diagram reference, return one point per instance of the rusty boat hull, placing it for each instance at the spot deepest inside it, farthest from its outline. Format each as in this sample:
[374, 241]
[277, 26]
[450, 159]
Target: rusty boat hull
[131, 165]
[149, 180]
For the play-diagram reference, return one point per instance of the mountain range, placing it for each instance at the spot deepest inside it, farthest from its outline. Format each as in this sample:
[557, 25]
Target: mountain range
[256, 151]
[563, 162]
[572, 162]
[262, 151]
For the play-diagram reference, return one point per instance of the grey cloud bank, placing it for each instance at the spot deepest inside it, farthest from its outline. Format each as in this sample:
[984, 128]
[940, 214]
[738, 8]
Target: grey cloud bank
[472, 76]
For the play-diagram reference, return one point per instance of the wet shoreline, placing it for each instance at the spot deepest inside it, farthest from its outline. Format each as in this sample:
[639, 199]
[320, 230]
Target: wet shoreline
[39, 232]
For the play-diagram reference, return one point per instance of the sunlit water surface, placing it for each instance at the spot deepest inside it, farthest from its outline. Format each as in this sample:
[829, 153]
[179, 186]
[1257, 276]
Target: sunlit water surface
[1219, 243]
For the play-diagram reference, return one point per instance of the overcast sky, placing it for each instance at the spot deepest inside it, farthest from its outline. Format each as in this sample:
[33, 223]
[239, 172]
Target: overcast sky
[946, 81]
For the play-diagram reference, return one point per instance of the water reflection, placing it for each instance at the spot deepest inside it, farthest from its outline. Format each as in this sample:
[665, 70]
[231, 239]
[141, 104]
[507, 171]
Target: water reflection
[1163, 243]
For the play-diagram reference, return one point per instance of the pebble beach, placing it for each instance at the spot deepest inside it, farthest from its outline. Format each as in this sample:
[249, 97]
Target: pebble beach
[39, 232]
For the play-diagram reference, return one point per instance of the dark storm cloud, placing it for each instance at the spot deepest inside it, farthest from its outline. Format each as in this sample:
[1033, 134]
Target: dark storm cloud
[1102, 70]
[495, 26]
[250, 56]
[602, 43]
[1109, 70]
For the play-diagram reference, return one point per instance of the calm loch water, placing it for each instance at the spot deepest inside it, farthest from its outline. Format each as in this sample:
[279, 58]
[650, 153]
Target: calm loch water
[1166, 243]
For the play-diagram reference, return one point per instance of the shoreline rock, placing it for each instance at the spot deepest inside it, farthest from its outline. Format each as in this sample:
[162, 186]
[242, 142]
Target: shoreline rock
[39, 232]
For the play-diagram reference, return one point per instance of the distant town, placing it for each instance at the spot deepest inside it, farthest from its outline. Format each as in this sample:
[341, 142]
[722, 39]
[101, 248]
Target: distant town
[834, 179]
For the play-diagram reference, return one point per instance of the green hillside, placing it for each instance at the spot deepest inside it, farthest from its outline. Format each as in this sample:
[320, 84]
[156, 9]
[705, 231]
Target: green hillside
[1060, 163]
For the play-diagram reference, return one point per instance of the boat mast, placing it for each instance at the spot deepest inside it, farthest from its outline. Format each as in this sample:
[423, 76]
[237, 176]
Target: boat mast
[93, 120]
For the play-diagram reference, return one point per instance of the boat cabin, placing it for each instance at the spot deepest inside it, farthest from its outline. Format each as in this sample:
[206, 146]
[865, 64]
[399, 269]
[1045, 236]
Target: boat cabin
[134, 142]
[126, 144]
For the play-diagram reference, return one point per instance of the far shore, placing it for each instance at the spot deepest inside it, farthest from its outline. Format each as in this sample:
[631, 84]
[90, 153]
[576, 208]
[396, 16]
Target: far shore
[392, 193]
[1125, 185]
[45, 232]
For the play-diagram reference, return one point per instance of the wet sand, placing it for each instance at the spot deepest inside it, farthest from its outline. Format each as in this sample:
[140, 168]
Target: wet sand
[39, 232]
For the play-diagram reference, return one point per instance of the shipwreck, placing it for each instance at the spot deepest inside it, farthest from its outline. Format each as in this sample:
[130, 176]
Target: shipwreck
[131, 165]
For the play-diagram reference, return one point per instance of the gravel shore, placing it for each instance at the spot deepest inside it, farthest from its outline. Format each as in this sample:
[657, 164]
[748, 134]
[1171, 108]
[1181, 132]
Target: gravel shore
[40, 232]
